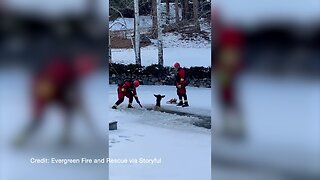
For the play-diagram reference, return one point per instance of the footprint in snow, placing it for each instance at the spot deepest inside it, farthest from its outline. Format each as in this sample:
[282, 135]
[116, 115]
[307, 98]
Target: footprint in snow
[122, 136]
[140, 135]
[113, 141]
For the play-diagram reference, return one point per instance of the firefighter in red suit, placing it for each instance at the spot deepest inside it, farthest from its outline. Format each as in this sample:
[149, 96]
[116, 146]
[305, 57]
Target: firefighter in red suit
[56, 82]
[127, 89]
[181, 85]
[228, 64]
[228, 61]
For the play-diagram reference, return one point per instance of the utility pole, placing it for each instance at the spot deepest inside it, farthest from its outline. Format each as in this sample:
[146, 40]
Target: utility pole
[137, 33]
[160, 43]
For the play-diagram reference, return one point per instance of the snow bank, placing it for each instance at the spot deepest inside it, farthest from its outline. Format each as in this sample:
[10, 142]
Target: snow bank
[186, 56]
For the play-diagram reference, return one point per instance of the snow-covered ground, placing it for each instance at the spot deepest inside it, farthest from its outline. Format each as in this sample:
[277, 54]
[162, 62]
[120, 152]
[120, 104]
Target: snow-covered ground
[183, 148]
[189, 52]
[175, 40]
[170, 40]
[186, 56]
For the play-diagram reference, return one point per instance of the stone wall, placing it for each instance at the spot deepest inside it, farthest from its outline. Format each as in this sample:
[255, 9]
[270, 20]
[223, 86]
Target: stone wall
[158, 75]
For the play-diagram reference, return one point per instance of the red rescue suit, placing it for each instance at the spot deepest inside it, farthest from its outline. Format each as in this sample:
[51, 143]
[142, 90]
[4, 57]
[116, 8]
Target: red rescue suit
[181, 81]
[126, 89]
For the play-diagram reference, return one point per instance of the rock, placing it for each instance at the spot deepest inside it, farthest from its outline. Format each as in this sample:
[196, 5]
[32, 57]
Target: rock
[198, 76]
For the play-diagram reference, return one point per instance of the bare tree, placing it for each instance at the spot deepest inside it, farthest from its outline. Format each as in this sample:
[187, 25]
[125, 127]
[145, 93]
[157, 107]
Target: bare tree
[176, 8]
[137, 32]
[168, 12]
[154, 18]
[186, 10]
[196, 15]
[123, 24]
[160, 43]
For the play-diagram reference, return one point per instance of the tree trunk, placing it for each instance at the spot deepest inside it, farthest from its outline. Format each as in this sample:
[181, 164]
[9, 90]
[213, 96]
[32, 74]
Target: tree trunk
[196, 15]
[176, 7]
[109, 42]
[183, 10]
[160, 43]
[186, 6]
[137, 32]
[168, 12]
[154, 18]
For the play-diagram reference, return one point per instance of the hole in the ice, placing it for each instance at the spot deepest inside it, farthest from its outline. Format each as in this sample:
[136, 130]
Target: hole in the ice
[197, 120]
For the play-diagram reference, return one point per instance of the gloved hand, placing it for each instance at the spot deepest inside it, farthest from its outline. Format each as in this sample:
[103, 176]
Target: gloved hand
[179, 86]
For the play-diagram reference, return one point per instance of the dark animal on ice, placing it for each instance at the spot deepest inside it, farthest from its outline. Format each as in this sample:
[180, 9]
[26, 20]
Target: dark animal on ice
[158, 100]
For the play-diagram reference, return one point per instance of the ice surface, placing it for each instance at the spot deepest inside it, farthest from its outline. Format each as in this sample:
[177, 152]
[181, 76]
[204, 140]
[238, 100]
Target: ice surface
[273, 140]
[184, 149]
[15, 116]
